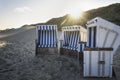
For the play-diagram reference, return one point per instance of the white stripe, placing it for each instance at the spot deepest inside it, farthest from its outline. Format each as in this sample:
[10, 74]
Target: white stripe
[55, 38]
[54, 27]
[106, 36]
[92, 33]
[114, 40]
[72, 39]
[90, 69]
[51, 38]
[50, 27]
[75, 42]
[37, 33]
[41, 27]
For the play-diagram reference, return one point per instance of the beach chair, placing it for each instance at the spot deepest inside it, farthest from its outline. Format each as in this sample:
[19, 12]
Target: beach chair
[74, 39]
[46, 39]
[103, 40]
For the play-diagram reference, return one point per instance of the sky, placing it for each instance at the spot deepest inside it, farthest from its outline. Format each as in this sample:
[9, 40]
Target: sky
[15, 13]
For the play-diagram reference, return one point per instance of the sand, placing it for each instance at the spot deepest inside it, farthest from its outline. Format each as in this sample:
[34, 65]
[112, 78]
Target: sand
[18, 61]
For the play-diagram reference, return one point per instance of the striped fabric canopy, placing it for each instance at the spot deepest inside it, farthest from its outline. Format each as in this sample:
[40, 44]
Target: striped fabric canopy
[47, 35]
[72, 37]
[46, 27]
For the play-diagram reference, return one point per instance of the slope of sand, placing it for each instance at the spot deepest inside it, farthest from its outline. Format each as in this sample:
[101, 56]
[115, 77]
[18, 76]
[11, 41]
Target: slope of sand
[18, 61]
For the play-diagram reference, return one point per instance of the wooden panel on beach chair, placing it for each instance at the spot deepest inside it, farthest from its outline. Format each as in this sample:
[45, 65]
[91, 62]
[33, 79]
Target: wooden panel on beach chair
[98, 63]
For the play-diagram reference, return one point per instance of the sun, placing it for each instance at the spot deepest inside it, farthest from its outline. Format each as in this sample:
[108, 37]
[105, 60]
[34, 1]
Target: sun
[76, 13]
[78, 7]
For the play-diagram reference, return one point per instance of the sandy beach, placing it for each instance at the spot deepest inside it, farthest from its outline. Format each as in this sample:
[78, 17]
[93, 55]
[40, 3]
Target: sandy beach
[18, 61]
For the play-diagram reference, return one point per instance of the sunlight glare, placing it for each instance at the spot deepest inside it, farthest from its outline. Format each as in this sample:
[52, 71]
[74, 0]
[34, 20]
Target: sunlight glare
[2, 44]
[76, 14]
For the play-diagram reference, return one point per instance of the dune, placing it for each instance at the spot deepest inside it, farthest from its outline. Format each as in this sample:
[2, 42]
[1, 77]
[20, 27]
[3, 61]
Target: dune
[18, 60]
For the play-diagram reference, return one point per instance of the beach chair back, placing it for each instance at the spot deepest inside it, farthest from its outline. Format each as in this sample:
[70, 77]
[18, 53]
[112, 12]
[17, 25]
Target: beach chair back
[46, 35]
[103, 34]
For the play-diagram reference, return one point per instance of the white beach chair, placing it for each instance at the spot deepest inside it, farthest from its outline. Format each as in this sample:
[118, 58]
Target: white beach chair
[103, 40]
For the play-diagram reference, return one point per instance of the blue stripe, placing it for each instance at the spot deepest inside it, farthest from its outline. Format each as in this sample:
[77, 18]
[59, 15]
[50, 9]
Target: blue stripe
[38, 37]
[71, 39]
[67, 38]
[85, 45]
[47, 37]
[80, 47]
[89, 37]
[73, 42]
[64, 37]
[42, 38]
[94, 40]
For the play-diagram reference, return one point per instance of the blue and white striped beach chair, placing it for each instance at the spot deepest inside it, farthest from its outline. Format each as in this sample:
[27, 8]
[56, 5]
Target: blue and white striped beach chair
[74, 38]
[46, 36]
